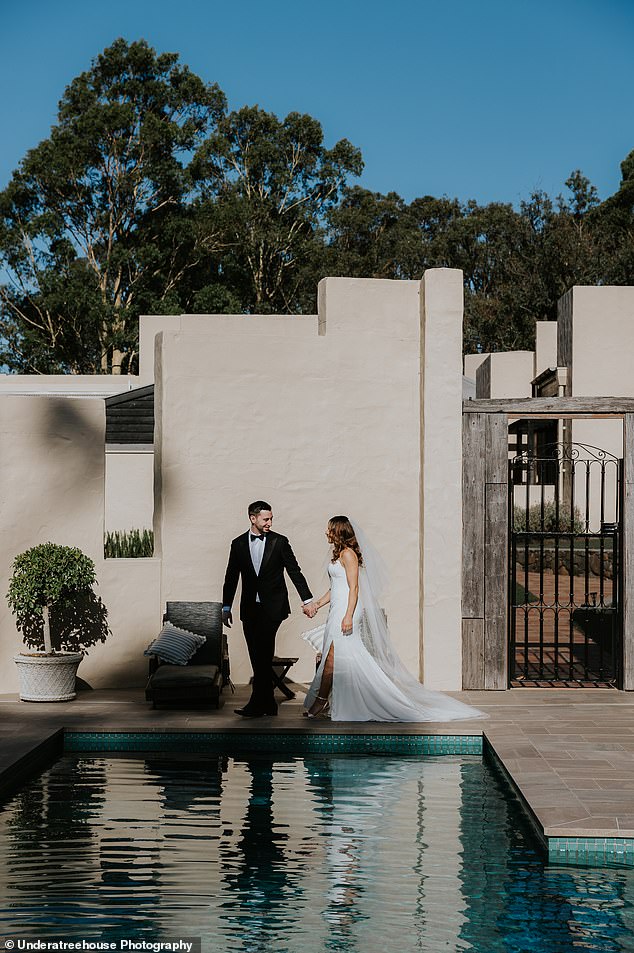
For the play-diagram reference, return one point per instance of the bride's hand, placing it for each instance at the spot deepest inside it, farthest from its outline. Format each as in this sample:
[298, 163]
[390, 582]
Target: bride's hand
[346, 624]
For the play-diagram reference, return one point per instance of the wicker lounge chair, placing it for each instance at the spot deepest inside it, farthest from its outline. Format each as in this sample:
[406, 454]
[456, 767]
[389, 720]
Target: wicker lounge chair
[200, 681]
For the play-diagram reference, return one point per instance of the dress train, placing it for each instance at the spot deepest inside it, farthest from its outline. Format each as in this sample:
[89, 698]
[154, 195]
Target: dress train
[361, 689]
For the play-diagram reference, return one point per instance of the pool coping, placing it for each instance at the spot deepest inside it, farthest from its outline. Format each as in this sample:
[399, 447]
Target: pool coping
[569, 849]
[577, 849]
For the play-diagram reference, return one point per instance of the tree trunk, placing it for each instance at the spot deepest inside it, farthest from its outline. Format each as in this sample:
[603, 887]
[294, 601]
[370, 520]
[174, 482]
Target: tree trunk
[117, 360]
[48, 648]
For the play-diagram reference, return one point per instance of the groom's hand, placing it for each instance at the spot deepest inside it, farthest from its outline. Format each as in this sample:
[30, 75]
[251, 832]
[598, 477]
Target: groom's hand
[227, 618]
[310, 610]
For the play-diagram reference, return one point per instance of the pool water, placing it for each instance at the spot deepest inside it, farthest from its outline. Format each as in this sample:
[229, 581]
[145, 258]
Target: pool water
[298, 854]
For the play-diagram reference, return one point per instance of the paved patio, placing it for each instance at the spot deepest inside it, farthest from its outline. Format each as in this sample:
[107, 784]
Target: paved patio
[570, 754]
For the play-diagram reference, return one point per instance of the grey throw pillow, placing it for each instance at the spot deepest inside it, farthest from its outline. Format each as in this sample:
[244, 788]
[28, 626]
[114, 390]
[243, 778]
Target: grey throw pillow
[175, 645]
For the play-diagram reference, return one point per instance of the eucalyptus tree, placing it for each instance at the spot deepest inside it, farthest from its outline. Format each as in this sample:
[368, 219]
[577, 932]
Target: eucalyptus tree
[368, 233]
[614, 220]
[96, 223]
[269, 184]
[519, 263]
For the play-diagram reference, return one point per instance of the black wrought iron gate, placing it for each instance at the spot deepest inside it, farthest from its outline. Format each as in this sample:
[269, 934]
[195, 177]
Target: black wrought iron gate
[565, 567]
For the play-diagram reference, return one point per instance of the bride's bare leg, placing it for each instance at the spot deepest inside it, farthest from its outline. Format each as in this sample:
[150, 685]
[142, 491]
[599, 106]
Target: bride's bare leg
[326, 676]
[326, 683]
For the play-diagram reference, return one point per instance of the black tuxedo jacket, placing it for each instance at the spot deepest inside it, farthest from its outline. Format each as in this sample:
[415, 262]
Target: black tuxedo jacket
[269, 584]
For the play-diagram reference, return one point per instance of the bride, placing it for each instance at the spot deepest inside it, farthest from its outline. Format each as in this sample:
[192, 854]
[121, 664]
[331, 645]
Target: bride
[360, 676]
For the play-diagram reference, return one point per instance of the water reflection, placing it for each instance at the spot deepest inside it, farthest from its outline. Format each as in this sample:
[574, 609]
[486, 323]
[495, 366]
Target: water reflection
[368, 812]
[48, 847]
[296, 855]
[259, 882]
[520, 902]
[331, 782]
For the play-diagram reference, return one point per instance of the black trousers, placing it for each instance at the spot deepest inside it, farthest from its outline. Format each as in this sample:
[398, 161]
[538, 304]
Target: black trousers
[260, 632]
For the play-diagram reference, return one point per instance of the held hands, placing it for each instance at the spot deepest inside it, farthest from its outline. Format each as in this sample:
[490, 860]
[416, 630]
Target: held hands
[310, 609]
[227, 618]
[346, 624]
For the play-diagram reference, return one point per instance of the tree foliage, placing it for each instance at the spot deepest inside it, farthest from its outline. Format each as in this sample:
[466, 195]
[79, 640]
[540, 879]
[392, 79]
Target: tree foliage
[51, 595]
[150, 197]
[614, 223]
[270, 183]
[94, 224]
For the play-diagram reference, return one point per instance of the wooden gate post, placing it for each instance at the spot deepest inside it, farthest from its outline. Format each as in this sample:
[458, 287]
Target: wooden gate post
[627, 569]
[496, 545]
[473, 451]
[485, 551]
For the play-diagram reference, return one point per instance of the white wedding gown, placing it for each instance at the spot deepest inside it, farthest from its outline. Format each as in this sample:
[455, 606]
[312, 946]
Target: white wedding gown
[361, 690]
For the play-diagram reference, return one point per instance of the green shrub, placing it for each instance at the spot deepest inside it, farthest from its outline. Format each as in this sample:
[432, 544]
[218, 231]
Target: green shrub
[129, 544]
[549, 523]
[51, 595]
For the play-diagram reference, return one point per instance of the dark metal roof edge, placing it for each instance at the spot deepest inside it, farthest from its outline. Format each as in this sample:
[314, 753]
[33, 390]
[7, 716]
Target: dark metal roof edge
[543, 376]
[127, 395]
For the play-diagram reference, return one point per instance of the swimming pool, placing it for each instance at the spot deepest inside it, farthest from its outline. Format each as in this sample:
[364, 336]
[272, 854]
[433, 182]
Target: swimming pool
[262, 851]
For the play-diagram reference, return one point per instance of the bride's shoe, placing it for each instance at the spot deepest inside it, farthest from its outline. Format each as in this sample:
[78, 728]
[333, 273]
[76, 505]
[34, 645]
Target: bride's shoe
[321, 710]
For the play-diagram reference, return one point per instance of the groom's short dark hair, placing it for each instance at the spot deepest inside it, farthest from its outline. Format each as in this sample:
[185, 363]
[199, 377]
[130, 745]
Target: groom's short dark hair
[258, 506]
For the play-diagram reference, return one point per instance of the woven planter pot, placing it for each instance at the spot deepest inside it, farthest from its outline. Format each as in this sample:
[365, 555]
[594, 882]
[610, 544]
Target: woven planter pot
[47, 678]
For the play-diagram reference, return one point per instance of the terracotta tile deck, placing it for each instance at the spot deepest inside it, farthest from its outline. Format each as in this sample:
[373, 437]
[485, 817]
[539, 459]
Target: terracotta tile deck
[569, 754]
[574, 655]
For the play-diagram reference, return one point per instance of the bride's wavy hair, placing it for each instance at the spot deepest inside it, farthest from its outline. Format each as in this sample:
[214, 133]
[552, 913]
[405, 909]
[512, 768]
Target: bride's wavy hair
[341, 535]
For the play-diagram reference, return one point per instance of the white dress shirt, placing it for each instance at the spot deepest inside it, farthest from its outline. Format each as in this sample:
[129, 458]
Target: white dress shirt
[256, 548]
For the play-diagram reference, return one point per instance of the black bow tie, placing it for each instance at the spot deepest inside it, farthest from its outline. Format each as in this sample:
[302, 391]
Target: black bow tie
[260, 538]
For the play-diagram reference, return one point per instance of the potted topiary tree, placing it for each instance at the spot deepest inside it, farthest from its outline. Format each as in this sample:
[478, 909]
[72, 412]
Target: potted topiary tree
[51, 595]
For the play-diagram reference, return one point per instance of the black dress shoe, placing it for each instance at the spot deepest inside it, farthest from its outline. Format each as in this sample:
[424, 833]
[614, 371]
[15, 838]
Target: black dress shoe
[248, 713]
[271, 712]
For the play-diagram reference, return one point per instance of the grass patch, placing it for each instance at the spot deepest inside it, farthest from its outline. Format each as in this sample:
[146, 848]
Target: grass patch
[129, 544]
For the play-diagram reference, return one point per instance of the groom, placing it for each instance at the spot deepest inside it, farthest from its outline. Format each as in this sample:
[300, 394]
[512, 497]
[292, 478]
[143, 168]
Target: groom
[260, 557]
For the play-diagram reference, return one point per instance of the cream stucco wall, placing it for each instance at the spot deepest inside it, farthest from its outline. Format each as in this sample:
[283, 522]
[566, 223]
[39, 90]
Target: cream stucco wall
[602, 341]
[441, 478]
[318, 424]
[545, 346]
[149, 326]
[130, 588]
[505, 374]
[70, 385]
[471, 363]
[129, 487]
[319, 416]
[52, 488]
[596, 338]
[598, 329]
[129, 471]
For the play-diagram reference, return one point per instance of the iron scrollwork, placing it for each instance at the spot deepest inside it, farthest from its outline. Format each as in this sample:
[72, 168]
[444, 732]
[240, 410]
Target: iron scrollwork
[564, 451]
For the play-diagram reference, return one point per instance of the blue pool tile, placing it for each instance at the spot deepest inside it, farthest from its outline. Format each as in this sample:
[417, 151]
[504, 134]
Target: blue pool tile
[591, 851]
[290, 743]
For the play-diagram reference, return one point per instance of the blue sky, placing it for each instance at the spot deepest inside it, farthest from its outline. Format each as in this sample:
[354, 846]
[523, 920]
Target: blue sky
[484, 99]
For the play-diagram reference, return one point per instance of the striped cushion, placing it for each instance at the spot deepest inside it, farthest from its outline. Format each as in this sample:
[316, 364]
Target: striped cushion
[175, 645]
